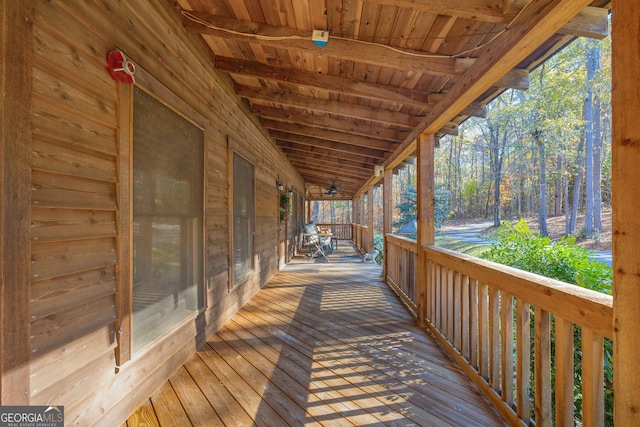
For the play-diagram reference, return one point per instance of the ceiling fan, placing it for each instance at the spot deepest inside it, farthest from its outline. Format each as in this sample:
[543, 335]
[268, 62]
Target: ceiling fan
[333, 189]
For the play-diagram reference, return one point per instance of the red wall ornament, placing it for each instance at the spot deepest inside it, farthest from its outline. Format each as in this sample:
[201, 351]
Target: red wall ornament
[120, 68]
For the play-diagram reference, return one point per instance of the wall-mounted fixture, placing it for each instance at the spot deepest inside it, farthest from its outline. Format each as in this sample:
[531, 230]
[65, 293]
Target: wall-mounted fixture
[279, 185]
[120, 68]
[290, 191]
[320, 37]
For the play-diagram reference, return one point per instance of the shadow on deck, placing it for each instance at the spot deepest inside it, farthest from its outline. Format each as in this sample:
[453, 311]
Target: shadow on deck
[322, 345]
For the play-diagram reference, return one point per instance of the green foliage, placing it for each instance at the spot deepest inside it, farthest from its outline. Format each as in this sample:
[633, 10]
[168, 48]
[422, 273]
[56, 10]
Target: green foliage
[441, 206]
[378, 244]
[407, 209]
[514, 244]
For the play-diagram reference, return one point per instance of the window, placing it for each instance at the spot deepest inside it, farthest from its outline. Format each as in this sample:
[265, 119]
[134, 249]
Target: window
[243, 196]
[167, 255]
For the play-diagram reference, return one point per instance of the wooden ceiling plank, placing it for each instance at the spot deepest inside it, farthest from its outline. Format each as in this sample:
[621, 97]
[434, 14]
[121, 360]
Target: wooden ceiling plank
[328, 135]
[338, 108]
[324, 122]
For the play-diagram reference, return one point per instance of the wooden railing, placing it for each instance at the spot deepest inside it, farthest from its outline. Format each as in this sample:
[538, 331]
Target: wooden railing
[401, 260]
[499, 323]
[340, 231]
[362, 238]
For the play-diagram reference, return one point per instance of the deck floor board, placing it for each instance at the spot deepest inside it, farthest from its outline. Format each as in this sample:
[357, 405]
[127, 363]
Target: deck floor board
[323, 344]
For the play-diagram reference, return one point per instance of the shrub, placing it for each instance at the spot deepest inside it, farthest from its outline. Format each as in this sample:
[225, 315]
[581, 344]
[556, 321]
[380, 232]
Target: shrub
[514, 244]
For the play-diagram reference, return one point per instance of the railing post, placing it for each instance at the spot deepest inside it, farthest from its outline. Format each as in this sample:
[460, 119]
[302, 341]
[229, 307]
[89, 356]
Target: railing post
[426, 225]
[387, 211]
[625, 105]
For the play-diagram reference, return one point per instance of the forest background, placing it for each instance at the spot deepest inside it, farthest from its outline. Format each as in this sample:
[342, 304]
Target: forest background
[542, 154]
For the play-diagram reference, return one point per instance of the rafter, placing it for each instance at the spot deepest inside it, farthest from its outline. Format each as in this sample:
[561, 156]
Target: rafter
[303, 165]
[329, 135]
[314, 144]
[340, 48]
[322, 121]
[345, 182]
[342, 162]
[322, 81]
[309, 150]
[338, 108]
[354, 111]
[589, 22]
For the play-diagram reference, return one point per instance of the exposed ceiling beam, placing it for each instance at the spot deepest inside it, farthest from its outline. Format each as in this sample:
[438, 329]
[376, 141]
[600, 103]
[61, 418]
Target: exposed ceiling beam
[341, 162]
[343, 182]
[294, 147]
[329, 135]
[480, 10]
[340, 48]
[314, 144]
[589, 22]
[306, 166]
[322, 81]
[338, 108]
[322, 121]
[354, 111]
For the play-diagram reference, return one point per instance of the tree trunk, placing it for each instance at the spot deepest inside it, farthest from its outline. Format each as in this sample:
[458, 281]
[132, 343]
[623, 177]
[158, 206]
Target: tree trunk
[592, 64]
[542, 208]
[577, 187]
[332, 212]
[557, 206]
[597, 151]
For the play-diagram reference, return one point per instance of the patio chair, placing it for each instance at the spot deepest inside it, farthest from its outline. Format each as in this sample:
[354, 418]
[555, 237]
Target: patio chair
[316, 245]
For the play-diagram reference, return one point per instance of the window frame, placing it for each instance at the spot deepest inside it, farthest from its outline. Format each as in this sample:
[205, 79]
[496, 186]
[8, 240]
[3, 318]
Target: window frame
[233, 149]
[124, 296]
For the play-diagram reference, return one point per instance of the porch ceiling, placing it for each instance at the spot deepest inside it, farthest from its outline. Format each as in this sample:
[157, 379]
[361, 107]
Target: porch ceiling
[390, 70]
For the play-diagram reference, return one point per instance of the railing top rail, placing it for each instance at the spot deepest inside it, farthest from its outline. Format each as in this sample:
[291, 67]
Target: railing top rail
[402, 241]
[578, 305]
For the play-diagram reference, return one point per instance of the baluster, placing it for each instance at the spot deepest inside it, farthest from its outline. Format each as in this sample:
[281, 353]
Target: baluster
[483, 330]
[523, 359]
[506, 311]
[494, 338]
[457, 312]
[564, 371]
[592, 378]
[448, 305]
[473, 336]
[542, 359]
[465, 316]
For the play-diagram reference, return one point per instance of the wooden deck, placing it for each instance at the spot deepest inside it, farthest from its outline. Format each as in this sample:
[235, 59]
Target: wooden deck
[324, 344]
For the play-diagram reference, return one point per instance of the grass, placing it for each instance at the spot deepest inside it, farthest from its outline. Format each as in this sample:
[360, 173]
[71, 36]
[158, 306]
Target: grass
[473, 249]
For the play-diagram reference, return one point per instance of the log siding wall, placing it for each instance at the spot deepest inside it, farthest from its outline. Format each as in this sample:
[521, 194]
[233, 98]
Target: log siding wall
[78, 191]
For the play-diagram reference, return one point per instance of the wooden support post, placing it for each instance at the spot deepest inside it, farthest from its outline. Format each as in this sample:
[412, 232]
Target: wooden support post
[426, 224]
[16, 51]
[387, 216]
[625, 105]
[370, 241]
